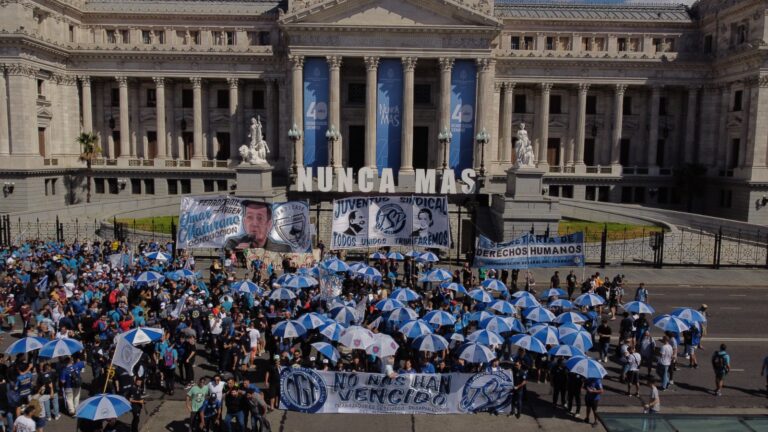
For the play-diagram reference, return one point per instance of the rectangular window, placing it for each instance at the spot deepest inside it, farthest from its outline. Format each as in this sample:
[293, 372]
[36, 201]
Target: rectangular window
[640, 195]
[187, 98]
[555, 104]
[591, 104]
[733, 161]
[195, 37]
[145, 37]
[160, 37]
[111, 38]
[554, 190]
[258, 100]
[71, 33]
[218, 38]
[265, 38]
[657, 45]
[40, 87]
[567, 191]
[98, 185]
[660, 152]
[114, 188]
[742, 33]
[520, 105]
[230, 37]
[604, 193]
[550, 43]
[626, 194]
[53, 186]
[222, 99]
[622, 42]
[221, 185]
[515, 43]
[149, 186]
[186, 186]
[589, 193]
[151, 98]
[738, 95]
[126, 36]
[663, 195]
[528, 43]
[173, 187]
[46, 183]
[207, 185]
[422, 94]
[356, 93]
[114, 97]
[136, 186]
[627, 105]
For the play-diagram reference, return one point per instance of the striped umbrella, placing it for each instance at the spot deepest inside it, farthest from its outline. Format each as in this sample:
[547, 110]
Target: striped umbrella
[457, 287]
[336, 265]
[288, 329]
[427, 257]
[437, 275]
[485, 337]
[402, 314]
[60, 347]
[689, 315]
[312, 320]
[283, 278]
[570, 317]
[415, 328]
[458, 337]
[638, 307]
[561, 303]
[671, 324]
[332, 331]
[142, 335]
[369, 272]
[355, 266]
[566, 351]
[552, 292]
[581, 340]
[159, 256]
[480, 316]
[586, 367]
[344, 314]
[588, 300]
[387, 305]
[149, 277]
[538, 314]
[502, 324]
[546, 334]
[430, 343]
[439, 318]
[25, 345]
[102, 407]
[480, 295]
[186, 273]
[405, 295]
[412, 254]
[476, 353]
[382, 346]
[569, 328]
[282, 294]
[327, 350]
[356, 337]
[377, 256]
[397, 256]
[518, 294]
[298, 281]
[246, 286]
[502, 306]
[529, 343]
[495, 285]
[526, 302]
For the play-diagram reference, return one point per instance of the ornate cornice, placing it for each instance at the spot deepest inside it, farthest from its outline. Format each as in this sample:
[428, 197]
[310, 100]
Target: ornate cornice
[65, 79]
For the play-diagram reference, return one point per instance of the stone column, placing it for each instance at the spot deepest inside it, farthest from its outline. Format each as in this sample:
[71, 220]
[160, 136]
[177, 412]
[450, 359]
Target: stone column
[22, 96]
[125, 129]
[371, 66]
[482, 109]
[87, 107]
[5, 143]
[297, 105]
[160, 116]
[653, 132]
[334, 111]
[446, 66]
[406, 151]
[722, 137]
[746, 123]
[546, 89]
[507, 110]
[581, 123]
[197, 119]
[690, 124]
[272, 124]
[758, 142]
[492, 152]
[234, 136]
[133, 105]
[618, 123]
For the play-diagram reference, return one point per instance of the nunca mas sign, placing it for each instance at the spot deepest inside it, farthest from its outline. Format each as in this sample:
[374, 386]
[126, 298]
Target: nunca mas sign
[426, 180]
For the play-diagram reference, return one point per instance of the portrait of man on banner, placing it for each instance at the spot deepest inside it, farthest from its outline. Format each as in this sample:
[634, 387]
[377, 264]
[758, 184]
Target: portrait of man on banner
[257, 222]
[356, 223]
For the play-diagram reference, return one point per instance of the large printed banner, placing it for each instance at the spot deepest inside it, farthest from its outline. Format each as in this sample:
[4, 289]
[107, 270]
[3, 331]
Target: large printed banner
[316, 100]
[313, 391]
[360, 223]
[388, 112]
[463, 90]
[231, 222]
[530, 251]
[275, 259]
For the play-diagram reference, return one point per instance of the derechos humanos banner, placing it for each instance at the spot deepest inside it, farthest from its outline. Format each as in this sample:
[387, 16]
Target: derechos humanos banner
[529, 251]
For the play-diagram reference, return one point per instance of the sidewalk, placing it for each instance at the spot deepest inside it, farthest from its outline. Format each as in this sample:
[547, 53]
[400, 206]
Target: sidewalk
[670, 276]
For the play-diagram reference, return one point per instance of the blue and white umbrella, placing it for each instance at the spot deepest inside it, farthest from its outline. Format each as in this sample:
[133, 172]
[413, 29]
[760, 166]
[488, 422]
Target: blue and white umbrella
[518, 294]
[430, 343]
[526, 302]
[439, 318]
[457, 287]
[560, 303]
[588, 300]
[357, 265]
[552, 292]
[159, 256]
[405, 295]
[298, 281]
[397, 256]
[546, 334]
[282, 294]
[689, 315]
[356, 337]
[480, 295]
[289, 329]
[480, 316]
[327, 350]
[382, 346]
[149, 277]
[246, 286]
[313, 320]
[60, 347]
[332, 331]
[102, 407]
[428, 257]
[413, 254]
[344, 314]
[585, 367]
[538, 314]
[415, 328]
[336, 265]
[671, 323]
[528, 342]
[186, 273]
[502, 324]
[580, 339]
[476, 353]
[569, 328]
[570, 317]
[494, 285]
[283, 278]
[369, 272]
[502, 306]
[437, 275]
[458, 337]
[387, 305]
[566, 351]
[25, 345]
[377, 256]
[402, 314]
[638, 307]
[142, 335]
[485, 337]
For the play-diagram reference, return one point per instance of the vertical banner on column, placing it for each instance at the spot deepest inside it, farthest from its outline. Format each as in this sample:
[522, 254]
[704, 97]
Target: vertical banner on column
[463, 87]
[388, 111]
[316, 81]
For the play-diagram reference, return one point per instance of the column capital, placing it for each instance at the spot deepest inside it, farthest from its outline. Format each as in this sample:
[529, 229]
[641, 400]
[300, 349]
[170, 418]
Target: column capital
[621, 89]
[485, 64]
[497, 87]
[584, 87]
[371, 63]
[296, 61]
[409, 63]
[85, 80]
[446, 63]
[159, 81]
[509, 85]
[233, 82]
[694, 88]
[122, 80]
[19, 69]
[65, 79]
[762, 81]
[196, 82]
[546, 87]
[334, 62]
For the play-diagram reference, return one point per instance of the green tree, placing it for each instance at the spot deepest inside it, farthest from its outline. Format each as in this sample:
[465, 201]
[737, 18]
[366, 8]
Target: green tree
[89, 150]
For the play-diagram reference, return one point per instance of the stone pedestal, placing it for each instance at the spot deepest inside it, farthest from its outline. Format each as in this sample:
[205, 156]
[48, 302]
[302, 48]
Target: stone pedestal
[524, 205]
[254, 181]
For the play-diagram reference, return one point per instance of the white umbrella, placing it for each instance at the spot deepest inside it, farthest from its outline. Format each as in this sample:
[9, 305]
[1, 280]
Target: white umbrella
[383, 346]
[356, 337]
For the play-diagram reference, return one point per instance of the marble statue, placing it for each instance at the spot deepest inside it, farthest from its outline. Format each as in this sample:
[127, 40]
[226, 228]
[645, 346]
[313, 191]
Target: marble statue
[523, 150]
[255, 153]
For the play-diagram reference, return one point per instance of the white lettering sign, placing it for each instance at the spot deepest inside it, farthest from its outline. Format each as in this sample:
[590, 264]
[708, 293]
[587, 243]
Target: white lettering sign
[426, 181]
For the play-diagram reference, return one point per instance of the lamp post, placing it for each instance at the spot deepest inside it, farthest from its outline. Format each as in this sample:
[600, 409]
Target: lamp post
[294, 134]
[332, 135]
[482, 138]
[444, 138]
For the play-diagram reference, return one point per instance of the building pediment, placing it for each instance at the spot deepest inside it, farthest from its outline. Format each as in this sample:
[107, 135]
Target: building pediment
[389, 13]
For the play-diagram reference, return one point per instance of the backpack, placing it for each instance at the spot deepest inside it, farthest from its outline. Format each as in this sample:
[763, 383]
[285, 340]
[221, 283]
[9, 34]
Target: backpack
[718, 361]
[168, 358]
[74, 377]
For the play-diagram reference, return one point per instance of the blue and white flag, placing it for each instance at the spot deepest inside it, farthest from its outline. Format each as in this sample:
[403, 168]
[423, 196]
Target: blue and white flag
[530, 251]
[42, 284]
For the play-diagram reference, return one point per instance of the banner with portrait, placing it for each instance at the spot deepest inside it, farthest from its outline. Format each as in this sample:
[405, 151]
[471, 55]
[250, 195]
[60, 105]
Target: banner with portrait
[313, 391]
[530, 251]
[431, 226]
[463, 91]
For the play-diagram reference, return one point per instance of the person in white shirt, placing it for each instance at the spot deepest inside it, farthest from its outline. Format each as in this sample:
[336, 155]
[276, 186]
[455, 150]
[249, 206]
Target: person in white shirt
[254, 335]
[216, 386]
[665, 362]
[633, 370]
[24, 423]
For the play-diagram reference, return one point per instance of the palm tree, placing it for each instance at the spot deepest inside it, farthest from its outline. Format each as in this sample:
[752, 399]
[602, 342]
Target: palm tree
[89, 151]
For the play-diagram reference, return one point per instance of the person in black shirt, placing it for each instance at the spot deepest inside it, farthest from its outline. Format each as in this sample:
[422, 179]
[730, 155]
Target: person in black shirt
[520, 378]
[136, 398]
[555, 280]
[235, 405]
[570, 281]
[575, 383]
[188, 362]
[559, 379]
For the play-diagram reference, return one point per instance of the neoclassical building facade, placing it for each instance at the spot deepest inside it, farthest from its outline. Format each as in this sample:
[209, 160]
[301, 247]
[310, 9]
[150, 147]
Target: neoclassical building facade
[662, 105]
